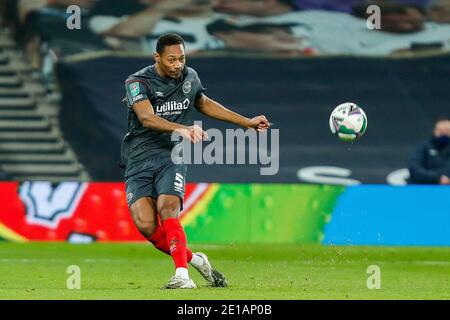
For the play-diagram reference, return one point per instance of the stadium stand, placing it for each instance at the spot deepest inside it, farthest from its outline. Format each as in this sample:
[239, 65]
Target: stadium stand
[31, 144]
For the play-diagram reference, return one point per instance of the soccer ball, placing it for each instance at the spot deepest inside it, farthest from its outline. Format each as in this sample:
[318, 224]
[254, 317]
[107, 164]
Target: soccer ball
[348, 121]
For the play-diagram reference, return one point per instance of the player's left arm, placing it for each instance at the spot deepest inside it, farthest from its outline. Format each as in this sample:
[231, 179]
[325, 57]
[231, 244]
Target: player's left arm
[215, 110]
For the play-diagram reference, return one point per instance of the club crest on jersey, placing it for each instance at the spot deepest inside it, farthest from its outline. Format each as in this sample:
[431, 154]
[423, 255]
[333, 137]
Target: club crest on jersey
[187, 86]
[134, 89]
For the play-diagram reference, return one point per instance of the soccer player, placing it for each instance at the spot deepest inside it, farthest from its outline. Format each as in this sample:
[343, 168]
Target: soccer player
[160, 99]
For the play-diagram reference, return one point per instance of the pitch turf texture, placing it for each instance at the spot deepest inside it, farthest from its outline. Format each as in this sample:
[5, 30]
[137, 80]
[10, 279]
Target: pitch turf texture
[137, 271]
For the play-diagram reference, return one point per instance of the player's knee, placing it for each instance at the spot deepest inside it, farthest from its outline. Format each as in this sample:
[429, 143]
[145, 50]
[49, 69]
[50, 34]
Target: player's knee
[147, 229]
[144, 218]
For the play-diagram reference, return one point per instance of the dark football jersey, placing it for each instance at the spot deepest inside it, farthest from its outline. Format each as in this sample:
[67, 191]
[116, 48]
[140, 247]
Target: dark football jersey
[172, 99]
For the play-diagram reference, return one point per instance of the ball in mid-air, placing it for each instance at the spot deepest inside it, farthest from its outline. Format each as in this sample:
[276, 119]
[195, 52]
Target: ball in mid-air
[348, 121]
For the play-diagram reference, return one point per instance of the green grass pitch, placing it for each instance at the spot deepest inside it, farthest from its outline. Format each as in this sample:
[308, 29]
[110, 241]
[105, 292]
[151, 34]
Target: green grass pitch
[137, 271]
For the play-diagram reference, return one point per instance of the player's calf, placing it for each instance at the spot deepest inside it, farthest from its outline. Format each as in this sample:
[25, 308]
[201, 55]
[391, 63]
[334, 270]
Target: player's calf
[168, 207]
[144, 216]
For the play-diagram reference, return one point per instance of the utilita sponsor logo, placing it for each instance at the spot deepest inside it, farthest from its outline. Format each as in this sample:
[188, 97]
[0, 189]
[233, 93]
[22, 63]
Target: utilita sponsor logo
[170, 106]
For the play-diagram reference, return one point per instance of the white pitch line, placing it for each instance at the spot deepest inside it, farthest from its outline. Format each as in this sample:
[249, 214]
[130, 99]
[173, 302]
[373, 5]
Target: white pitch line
[433, 262]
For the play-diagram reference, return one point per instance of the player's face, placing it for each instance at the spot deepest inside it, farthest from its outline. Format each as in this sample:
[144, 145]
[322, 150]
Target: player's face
[172, 60]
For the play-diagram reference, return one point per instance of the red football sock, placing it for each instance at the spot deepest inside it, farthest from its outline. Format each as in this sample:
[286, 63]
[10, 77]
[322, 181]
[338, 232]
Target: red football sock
[159, 240]
[176, 239]
[188, 254]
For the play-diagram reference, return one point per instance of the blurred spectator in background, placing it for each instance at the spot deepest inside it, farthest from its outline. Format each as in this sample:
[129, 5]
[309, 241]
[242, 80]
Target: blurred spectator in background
[256, 8]
[430, 163]
[257, 37]
[396, 17]
[140, 30]
[293, 27]
[439, 11]
[22, 18]
[190, 19]
[263, 8]
[331, 5]
[403, 29]
[27, 6]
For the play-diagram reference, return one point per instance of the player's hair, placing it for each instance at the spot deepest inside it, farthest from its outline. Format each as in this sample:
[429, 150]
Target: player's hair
[168, 39]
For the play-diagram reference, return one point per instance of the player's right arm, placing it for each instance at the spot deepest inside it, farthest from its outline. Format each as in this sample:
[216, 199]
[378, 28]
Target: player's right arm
[146, 115]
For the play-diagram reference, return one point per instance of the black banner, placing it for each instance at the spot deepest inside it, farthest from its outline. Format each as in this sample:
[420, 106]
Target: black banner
[401, 98]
